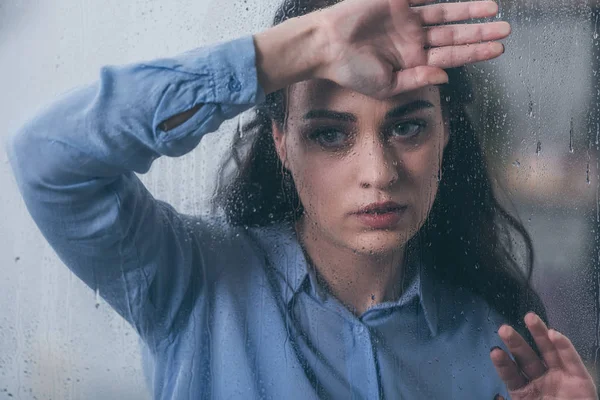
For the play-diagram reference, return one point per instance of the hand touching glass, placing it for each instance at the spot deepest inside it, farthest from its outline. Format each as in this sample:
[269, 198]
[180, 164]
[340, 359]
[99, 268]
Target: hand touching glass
[383, 47]
[559, 374]
[379, 48]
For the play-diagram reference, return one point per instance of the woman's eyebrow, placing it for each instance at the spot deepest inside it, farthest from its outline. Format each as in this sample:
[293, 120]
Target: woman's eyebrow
[329, 114]
[349, 117]
[408, 108]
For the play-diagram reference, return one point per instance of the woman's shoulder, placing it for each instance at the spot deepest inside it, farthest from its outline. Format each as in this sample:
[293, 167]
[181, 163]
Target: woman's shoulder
[218, 240]
[460, 308]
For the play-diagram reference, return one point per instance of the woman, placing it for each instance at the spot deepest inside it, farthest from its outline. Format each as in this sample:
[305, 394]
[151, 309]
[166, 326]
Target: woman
[365, 255]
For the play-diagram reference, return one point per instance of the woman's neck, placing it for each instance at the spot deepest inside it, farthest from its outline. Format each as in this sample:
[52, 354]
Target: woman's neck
[358, 280]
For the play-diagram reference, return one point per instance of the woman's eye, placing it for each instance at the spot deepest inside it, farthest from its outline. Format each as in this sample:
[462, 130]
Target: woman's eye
[330, 138]
[408, 129]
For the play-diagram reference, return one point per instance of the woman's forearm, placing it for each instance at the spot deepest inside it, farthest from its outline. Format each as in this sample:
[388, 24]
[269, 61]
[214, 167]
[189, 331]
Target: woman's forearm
[290, 52]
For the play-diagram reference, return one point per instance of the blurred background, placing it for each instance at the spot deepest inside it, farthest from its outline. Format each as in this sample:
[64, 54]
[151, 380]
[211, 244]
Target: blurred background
[539, 111]
[538, 107]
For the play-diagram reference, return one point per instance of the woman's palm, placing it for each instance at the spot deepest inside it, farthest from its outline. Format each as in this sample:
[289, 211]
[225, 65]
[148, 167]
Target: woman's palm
[555, 385]
[381, 48]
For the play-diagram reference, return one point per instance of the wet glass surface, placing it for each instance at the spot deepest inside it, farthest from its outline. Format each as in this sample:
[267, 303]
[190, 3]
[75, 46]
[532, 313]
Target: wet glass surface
[537, 108]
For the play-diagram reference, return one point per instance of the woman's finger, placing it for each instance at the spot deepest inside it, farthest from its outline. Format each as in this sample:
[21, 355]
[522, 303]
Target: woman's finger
[416, 78]
[438, 14]
[571, 360]
[455, 35]
[527, 360]
[456, 56]
[539, 331]
[507, 369]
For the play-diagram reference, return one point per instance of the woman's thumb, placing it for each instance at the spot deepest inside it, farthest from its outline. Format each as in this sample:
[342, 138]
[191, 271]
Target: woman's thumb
[416, 78]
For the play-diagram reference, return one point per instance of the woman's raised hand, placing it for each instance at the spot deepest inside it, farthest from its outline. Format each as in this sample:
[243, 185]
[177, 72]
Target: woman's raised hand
[559, 374]
[384, 47]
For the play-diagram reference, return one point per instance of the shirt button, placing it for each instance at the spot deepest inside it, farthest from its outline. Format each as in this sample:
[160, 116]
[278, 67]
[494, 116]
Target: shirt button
[359, 329]
[234, 84]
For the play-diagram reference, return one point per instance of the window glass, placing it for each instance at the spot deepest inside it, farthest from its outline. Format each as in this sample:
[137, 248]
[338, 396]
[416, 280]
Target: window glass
[535, 111]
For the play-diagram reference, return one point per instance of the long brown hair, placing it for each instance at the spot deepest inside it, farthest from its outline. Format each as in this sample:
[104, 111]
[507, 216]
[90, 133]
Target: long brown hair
[471, 238]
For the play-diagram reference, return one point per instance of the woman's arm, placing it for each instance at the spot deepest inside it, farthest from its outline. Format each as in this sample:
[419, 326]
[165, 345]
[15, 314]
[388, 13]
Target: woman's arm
[75, 164]
[379, 47]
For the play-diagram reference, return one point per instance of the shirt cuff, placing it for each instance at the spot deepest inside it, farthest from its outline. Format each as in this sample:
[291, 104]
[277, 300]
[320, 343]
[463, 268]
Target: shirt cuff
[233, 67]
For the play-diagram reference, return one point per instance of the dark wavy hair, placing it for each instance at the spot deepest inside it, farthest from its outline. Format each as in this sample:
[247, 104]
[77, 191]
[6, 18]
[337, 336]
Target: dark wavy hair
[472, 239]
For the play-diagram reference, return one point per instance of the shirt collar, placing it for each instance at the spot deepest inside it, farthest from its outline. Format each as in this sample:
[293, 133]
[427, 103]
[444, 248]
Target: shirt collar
[285, 257]
[426, 284]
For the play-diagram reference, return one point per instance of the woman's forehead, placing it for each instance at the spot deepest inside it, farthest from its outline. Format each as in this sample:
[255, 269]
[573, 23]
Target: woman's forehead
[324, 94]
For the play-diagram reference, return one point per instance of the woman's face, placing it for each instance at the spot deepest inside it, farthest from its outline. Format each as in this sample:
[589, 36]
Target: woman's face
[366, 170]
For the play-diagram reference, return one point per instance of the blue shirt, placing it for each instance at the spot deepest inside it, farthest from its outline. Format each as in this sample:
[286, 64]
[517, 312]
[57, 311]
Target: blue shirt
[226, 312]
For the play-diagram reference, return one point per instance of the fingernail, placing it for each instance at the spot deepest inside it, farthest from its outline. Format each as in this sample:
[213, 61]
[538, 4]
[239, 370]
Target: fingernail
[505, 29]
[503, 48]
[555, 334]
[504, 327]
[439, 79]
[533, 318]
[494, 348]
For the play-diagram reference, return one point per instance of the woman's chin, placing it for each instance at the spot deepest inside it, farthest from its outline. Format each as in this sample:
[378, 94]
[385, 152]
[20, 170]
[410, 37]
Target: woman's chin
[380, 242]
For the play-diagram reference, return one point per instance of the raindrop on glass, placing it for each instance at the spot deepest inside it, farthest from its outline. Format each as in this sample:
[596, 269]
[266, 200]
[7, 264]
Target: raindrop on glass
[571, 149]
[97, 297]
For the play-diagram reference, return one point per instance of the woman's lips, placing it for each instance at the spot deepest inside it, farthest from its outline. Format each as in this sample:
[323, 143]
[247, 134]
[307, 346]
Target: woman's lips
[385, 217]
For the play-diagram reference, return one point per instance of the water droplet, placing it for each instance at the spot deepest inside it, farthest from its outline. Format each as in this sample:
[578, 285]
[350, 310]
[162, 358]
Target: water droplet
[571, 149]
[587, 174]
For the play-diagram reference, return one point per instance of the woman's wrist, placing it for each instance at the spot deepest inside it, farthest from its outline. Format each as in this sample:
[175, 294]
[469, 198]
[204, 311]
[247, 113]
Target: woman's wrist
[291, 52]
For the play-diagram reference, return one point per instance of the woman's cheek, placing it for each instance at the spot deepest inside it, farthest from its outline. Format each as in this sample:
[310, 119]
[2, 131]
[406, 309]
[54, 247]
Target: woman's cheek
[321, 192]
[307, 184]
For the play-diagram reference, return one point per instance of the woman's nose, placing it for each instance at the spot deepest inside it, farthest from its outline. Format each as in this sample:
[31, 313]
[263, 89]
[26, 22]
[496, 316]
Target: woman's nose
[377, 165]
